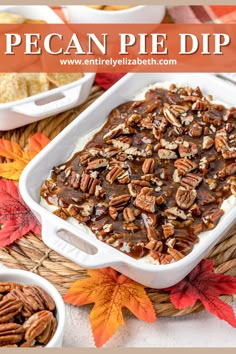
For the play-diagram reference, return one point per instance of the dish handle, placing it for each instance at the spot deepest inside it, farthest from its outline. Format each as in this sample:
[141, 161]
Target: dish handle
[98, 258]
[39, 109]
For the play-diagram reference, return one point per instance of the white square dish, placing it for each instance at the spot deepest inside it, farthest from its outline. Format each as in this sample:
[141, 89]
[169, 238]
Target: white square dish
[78, 245]
[31, 109]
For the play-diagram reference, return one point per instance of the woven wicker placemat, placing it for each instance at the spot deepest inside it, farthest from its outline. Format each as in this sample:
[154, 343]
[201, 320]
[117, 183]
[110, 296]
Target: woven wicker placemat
[31, 254]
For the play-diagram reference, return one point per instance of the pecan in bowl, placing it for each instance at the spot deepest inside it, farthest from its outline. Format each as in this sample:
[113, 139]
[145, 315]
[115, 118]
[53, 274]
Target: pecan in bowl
[31, 311]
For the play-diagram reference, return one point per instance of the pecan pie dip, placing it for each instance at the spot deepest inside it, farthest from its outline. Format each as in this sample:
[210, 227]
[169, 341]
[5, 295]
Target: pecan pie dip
[154, 177]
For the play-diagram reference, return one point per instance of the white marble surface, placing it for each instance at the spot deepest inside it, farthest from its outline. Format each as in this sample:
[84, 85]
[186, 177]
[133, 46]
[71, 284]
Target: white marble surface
[198, 330]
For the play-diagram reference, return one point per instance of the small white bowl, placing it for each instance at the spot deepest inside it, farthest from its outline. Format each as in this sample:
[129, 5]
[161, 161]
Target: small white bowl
[27, 278]
[135, 14]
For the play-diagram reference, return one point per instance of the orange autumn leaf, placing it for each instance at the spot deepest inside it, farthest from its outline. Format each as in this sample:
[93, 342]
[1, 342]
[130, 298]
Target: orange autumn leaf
[110, 291]
[20, 158]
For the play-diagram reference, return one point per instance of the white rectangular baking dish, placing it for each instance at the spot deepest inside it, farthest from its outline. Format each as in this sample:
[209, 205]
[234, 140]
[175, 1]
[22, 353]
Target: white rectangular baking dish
[31, 109]
[85, 249]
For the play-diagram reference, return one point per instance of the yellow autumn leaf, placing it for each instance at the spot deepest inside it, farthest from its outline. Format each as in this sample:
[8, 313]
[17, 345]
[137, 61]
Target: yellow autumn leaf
[110, 291]
[11, 150]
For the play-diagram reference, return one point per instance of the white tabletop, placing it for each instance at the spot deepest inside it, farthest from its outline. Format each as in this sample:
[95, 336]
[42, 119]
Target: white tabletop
[197, 330]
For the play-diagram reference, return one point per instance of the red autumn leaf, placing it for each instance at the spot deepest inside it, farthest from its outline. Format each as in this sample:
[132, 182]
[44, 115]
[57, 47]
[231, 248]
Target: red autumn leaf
[15, 217]
[204, 285]
[110, 292]
[106, 80]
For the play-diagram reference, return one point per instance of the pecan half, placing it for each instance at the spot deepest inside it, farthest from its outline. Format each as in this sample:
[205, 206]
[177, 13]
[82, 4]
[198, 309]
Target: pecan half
[221, 140]
[205, 197]
[8, 286]
[10, 333]
[171, 117]
[168, 144]
[175, 254]
[184, 165]
[88, 184]
[75, 179]
[117, 131]
[148, 166]
[128, 215]
[119, 202]
[114, 173]
[154, 245]
[190, 181]
[37, 324]
[168, 230]
[145, 202]
[95, 164]
[9, 308]
[185, 197]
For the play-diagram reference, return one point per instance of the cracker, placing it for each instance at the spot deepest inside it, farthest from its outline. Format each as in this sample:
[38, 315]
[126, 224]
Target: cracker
[6, 17]
[116, 7]
[13, 87]
[60, 79]
[36, 83]
[33, 22]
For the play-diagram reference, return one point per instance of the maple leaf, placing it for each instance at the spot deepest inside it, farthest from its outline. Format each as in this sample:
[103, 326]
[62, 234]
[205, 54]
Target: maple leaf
[204, 285]
[15, 216]
[110, 292]
[106, 80]
[11, 150]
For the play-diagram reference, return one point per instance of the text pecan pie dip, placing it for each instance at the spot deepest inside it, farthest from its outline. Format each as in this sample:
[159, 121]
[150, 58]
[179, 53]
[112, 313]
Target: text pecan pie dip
[154, 177]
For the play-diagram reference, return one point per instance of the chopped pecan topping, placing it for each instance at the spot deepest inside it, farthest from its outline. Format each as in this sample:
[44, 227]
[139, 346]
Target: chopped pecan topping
[95, 164]
[207, 143]
[147, 179]
[133, 119]
[168, 145]
[176, 213]
[212, 216]
[195, 130]
[130, 226]
[221, 140]
[229, 153]
[168, 230]
[188, 149]
[167, 154]
[62, 213]
[200, 106]
[175, 254]
[113, 213]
